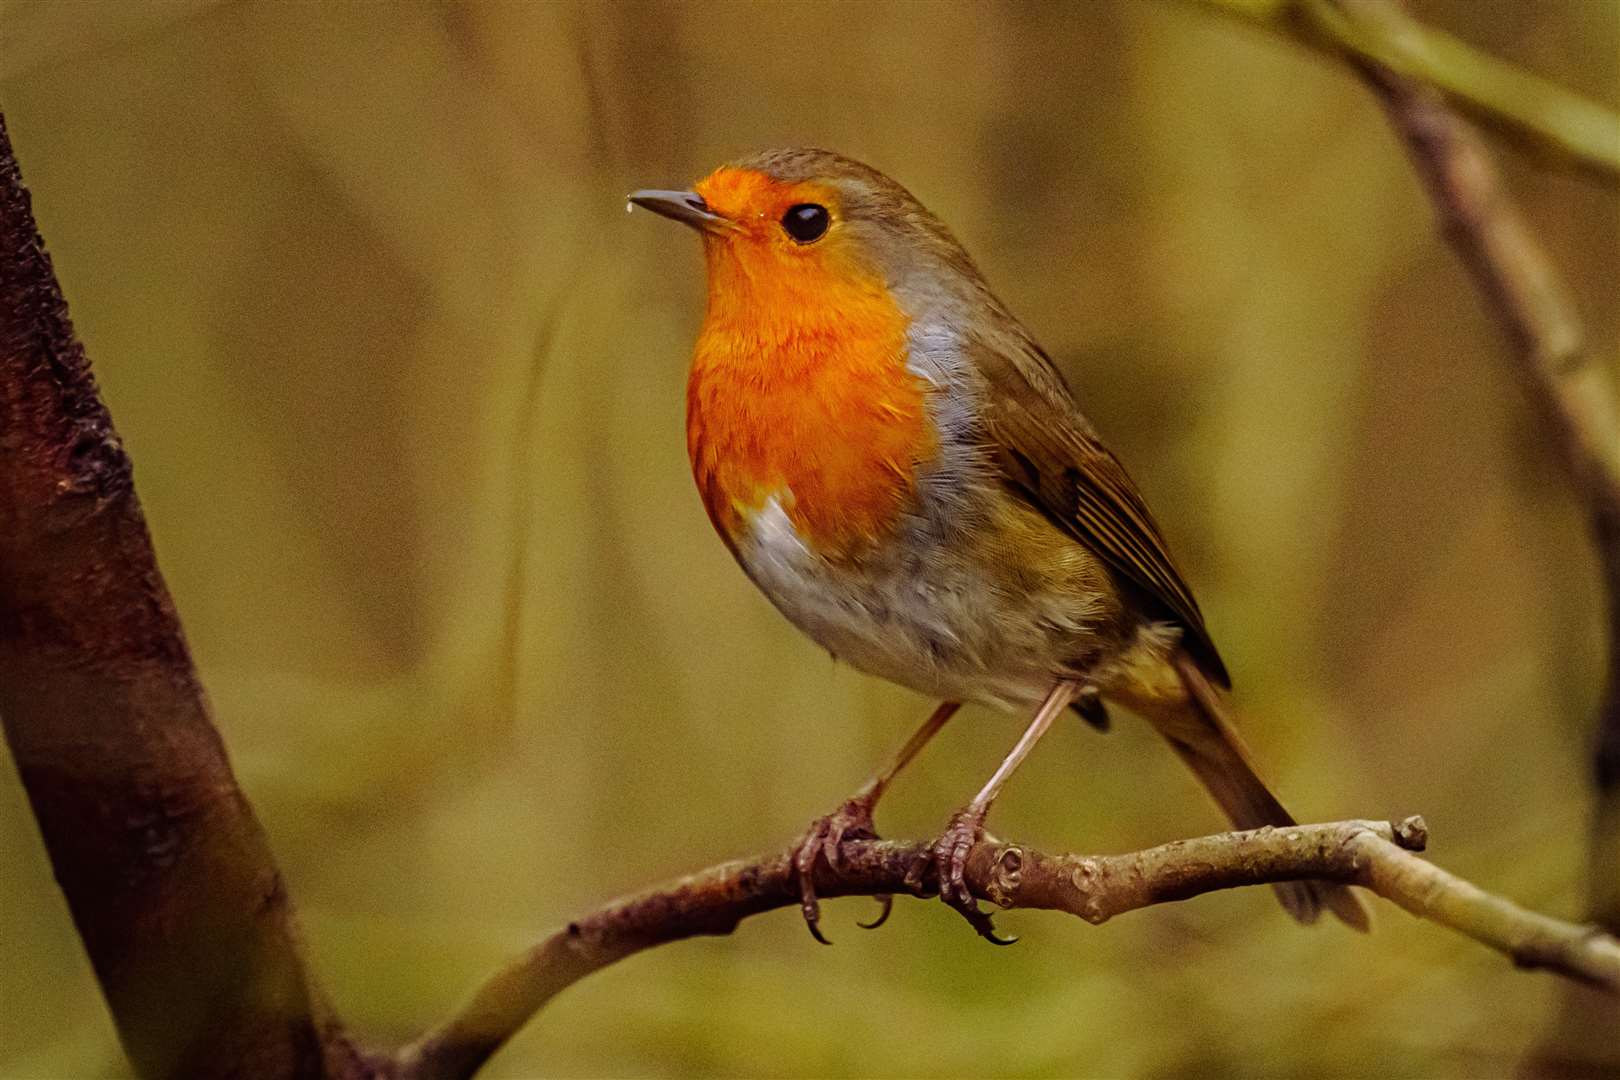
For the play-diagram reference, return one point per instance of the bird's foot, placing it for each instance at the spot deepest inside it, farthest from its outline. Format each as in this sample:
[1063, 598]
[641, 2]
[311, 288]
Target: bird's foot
[824, 839]
[949, 856]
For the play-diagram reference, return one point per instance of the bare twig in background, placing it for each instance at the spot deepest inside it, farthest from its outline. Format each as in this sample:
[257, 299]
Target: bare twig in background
[167, 872]
[1374, 854]
[1523, 289]
[1542, 116]
[1575, 397]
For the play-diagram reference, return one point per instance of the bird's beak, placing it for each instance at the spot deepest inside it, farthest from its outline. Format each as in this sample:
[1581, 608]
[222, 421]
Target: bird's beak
[687, 207]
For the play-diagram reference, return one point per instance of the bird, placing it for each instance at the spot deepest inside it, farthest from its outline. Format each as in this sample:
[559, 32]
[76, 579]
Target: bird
[905, 474]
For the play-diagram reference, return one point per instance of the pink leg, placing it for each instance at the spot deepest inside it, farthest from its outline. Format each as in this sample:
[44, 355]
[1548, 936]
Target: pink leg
[950, 851]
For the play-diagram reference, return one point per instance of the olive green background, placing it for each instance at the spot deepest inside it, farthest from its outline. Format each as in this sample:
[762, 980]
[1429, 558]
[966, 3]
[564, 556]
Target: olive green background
[404, 389]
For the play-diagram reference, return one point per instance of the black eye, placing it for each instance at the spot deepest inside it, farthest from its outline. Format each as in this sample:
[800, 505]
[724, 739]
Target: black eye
[806, 221]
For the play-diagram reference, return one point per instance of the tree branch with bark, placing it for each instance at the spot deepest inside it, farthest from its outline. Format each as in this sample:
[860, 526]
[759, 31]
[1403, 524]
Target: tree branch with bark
[165, 869]
[1378, 855]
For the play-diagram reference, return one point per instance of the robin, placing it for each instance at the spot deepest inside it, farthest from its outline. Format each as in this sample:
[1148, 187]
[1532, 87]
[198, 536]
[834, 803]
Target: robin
[902, 470]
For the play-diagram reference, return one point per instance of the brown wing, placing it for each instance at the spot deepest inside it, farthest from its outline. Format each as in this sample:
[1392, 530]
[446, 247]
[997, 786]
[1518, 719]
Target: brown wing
[1051, 455]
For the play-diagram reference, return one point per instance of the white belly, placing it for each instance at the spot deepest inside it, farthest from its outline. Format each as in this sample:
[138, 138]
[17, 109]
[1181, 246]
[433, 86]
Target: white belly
[948, 631]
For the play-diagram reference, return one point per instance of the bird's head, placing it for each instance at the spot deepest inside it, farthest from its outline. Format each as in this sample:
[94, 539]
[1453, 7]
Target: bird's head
[805, 226]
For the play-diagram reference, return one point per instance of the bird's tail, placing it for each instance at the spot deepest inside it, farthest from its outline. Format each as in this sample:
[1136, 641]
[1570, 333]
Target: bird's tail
[1197, 728]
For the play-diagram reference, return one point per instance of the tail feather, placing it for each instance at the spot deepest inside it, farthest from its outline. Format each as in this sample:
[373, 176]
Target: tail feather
[1204, 738]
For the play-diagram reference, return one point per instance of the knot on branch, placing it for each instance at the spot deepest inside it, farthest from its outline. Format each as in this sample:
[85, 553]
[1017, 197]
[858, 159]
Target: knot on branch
[93, 471]
[1086, 878]
[1411, 833]
[1006, 873]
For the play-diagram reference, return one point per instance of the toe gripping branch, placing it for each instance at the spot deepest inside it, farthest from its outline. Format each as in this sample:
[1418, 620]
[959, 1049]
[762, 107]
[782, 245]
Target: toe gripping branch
[824, 841]
[948, 858]
[942, 869]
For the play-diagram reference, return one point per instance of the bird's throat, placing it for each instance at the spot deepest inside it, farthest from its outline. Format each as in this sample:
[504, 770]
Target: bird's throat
[800, 392]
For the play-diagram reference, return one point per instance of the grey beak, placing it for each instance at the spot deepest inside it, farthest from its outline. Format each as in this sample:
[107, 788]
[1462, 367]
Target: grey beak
[687, 207]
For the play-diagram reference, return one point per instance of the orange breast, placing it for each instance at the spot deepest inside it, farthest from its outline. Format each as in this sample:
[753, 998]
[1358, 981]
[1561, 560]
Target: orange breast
[799, 389]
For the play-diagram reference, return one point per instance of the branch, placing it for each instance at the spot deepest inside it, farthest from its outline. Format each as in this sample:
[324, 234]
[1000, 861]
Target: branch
[1576, 398]
[1374, 854]
[166, 871]
[1540, 115]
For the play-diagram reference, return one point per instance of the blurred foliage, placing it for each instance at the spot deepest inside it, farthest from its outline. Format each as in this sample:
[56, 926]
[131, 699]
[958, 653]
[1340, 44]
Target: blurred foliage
[403, 385]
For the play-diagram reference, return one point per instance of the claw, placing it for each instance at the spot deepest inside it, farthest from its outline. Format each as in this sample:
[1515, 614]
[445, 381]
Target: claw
[804, 864]
[985, 926]
[882, 916]
[812, 920]
[949, 857]
[823, 840]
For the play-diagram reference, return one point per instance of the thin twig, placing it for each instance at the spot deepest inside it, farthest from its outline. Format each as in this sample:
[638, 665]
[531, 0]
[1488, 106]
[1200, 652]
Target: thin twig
[1576, 398]
[1375, 854]
[1541, 116]
[1523, 289]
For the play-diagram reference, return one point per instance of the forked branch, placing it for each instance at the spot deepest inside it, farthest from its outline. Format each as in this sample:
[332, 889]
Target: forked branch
[1575, 396]
[1375, 854]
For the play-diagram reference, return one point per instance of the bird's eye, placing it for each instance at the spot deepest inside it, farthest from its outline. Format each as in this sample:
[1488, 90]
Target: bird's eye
[806, 222]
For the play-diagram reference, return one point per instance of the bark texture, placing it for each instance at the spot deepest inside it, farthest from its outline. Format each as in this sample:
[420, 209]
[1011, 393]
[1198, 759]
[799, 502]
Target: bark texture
[166, 871]
[1376, 854]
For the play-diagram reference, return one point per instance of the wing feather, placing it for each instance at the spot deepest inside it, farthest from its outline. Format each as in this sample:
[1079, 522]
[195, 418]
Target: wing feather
[1050, 455]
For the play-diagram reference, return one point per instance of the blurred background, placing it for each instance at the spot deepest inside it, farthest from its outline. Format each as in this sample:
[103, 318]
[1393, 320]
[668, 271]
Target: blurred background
[404, 389]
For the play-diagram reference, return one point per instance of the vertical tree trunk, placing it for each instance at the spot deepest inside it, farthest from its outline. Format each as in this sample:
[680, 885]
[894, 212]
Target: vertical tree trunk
[167, 872]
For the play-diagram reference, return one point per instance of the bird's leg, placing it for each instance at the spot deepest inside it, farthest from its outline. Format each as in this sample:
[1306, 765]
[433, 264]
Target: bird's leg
[853, 820]
[950, 851]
